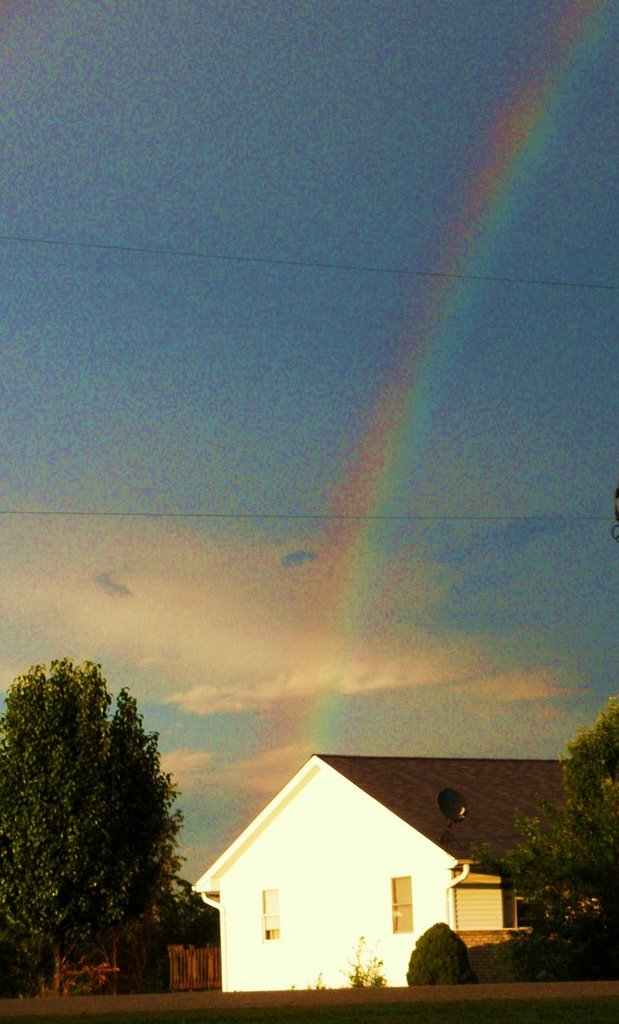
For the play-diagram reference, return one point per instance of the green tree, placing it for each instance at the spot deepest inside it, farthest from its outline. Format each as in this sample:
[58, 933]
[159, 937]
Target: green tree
[179, 918]
[567, 869]
[87, 829]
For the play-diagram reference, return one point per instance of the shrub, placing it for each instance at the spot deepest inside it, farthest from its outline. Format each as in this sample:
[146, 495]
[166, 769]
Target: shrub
[440, 958]
[366, 970]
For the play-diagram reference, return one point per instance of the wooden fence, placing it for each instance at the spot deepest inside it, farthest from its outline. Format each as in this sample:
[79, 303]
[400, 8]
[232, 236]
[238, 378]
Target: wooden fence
[192, 968]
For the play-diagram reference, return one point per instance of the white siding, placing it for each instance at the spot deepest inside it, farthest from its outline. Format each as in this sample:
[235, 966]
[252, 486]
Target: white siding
[331, 852]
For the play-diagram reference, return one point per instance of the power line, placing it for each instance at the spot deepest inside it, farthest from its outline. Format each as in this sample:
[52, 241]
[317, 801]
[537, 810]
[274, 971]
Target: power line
[308, 264]
[305, 516]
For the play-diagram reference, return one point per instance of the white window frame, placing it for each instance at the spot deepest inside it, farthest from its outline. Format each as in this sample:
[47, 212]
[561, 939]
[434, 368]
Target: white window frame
[271, 921]
[401, 910]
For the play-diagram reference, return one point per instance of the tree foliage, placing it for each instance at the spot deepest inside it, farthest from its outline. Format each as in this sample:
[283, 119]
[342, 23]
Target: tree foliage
[440, 957]
[567, 870]
[180, 917]
[87, 829]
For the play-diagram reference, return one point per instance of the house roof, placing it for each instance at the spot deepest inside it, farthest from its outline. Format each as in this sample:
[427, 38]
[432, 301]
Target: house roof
[494, 790]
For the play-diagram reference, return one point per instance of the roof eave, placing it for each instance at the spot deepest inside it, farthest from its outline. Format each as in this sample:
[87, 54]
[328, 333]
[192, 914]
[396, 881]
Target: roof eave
[210, 880]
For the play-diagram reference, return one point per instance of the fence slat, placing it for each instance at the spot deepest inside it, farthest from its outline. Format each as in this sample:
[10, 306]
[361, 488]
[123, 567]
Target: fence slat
[193, 969]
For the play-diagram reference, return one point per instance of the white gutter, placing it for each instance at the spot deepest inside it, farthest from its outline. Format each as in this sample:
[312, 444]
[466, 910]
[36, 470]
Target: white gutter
[451, 896]
[209, 899]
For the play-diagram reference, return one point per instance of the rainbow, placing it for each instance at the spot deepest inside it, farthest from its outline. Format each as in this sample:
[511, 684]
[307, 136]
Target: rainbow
[507, 154]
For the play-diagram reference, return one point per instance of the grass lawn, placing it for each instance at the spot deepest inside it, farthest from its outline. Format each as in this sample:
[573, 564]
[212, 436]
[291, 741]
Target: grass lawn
[601, 1010]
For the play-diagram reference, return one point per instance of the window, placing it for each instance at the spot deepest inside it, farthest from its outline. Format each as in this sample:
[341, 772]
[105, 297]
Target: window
[270, 914]
[524, 916]
[402, 903]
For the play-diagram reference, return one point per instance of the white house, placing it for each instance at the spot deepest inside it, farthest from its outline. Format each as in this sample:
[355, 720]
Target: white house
[358, 846]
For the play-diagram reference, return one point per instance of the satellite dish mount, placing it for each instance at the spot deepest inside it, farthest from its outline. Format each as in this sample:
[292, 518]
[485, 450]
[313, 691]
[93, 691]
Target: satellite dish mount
[452, 806]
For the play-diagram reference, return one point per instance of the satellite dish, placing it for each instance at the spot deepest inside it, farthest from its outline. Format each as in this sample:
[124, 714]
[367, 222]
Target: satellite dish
[452, 805]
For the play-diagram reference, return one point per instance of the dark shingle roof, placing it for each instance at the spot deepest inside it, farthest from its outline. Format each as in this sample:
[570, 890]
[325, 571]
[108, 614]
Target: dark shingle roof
[495, 790]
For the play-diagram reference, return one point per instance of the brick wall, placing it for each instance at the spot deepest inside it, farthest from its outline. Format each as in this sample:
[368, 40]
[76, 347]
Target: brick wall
[487, 958]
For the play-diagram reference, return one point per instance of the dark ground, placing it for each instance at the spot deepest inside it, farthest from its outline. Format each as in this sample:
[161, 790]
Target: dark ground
[181, 1001]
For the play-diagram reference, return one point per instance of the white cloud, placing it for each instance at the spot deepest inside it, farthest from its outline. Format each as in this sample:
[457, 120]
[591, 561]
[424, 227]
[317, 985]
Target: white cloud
[309, 673]
[264, 773]
[527, 685]
[213, 622]
[190, 769]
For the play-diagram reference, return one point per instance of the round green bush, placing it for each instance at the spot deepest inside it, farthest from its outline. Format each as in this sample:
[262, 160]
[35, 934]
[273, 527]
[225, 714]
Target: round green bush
[440, 958]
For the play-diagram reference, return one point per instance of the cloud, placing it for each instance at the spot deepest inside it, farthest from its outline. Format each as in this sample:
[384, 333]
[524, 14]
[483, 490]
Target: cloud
[213, 625]
[319, 672]
[190, 769]
[295, 558]
[263, 773]
[110, 586]
[195, 771]
[538, 684]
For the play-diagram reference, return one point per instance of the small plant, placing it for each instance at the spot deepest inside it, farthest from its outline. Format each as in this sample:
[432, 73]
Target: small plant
[84, 978]
[440, 958]
[80, 976]
[366, 970]
[319, 984]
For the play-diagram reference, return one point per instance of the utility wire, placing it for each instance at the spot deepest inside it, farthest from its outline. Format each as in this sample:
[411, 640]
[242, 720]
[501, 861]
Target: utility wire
[309, 264]
[316, 516]
[314, 265]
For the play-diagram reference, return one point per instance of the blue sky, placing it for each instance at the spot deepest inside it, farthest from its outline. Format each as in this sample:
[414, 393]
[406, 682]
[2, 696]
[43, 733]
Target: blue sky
[282, 141]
